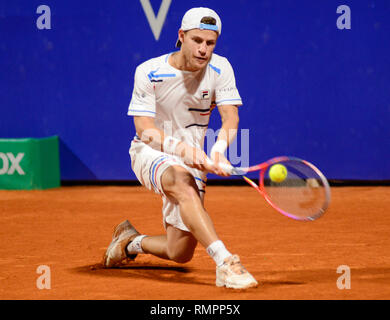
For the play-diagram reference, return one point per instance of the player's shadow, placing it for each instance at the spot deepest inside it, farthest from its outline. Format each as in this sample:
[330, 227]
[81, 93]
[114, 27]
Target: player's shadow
[163, 273]
[172, 274]
[281, 282]
[325, 275]
[267, 279]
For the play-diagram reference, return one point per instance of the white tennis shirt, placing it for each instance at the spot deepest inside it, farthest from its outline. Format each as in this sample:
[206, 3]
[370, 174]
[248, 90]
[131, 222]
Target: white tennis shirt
[181, 101]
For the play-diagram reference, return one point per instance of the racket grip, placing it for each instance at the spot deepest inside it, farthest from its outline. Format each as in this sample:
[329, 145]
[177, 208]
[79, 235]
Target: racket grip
[224, 166]
[228, 168]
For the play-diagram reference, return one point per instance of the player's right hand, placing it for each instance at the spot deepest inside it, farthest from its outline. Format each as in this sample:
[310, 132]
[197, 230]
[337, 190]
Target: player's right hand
[196, 158]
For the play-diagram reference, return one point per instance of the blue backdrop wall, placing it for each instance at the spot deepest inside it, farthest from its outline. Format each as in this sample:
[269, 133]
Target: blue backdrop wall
[309, 89]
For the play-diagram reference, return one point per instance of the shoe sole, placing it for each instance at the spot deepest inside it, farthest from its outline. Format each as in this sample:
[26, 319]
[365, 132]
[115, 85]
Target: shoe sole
[118, 231]
[220, 283]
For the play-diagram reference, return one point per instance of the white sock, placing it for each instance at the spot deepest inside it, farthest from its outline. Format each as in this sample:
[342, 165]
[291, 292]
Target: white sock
[135, 245]
[218, 252]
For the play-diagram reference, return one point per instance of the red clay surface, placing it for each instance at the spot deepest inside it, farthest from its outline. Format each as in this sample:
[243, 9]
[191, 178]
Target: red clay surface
[69, 228]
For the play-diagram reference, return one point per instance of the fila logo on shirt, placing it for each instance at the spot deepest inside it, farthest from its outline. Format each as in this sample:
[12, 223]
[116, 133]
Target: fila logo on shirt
[12, 165]
[205, 94]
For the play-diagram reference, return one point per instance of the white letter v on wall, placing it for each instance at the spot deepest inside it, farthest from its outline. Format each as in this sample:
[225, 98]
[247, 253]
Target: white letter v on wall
[156, 23]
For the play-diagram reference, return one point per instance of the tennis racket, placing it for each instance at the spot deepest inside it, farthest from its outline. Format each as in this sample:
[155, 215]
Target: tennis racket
[303, 195]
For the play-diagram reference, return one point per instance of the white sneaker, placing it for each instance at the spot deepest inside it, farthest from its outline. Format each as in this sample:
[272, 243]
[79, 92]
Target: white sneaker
[116, 251]
[232, 274]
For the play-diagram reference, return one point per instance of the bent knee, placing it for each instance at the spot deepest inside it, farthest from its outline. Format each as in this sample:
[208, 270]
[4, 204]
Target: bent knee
[182, 254]
[179, 183]
[181, 257]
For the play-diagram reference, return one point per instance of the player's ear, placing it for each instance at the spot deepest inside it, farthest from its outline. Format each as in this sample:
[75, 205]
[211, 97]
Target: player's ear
[181, 35]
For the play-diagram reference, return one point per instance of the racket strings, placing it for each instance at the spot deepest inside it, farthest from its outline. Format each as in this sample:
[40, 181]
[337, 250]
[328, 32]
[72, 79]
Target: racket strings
[303, 194]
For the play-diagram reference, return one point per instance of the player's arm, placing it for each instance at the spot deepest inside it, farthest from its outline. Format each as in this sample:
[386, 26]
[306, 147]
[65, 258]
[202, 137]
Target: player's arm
[148, 132]
[228, 101]
[227, 133]
[230, 120]
[155, 138]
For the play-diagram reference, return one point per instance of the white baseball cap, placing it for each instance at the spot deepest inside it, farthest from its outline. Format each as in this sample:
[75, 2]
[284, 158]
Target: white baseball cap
[192, 20]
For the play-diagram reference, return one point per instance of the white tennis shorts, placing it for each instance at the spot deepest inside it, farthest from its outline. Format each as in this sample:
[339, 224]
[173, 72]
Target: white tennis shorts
[148, 165]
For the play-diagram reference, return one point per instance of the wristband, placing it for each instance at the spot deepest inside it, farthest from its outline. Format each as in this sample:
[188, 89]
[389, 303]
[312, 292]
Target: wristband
[220, 146]
[170, 144]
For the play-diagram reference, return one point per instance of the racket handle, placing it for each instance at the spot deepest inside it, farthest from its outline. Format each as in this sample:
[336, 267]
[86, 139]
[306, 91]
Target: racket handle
[228, 168]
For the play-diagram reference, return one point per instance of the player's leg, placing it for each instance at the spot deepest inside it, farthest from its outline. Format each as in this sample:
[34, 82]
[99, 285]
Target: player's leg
[190, 223]
[180, 186]
[177, 245]
[189, 218]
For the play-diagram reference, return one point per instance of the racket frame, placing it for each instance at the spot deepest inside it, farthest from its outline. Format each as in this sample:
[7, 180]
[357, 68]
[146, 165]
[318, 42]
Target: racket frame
[262, 190]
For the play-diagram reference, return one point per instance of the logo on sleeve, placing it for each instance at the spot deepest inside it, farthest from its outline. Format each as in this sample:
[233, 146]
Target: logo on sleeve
[228, 89]
[139, 95]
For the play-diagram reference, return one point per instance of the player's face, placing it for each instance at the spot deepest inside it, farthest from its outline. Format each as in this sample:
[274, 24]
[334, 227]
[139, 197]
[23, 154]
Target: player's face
[198, 46]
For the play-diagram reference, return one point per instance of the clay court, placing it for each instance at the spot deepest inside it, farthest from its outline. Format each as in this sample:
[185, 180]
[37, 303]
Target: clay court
[68, 229]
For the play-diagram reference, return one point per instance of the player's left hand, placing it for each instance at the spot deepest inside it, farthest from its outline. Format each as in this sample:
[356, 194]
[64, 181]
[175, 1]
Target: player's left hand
[217, 158]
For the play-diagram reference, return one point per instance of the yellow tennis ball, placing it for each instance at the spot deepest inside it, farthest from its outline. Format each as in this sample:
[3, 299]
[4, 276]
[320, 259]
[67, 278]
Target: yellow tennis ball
[278, 173]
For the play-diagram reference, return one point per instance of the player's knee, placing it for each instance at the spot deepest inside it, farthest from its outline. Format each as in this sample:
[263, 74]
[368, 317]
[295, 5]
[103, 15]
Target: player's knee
[182, 251]
[181, 256]
[179, 183]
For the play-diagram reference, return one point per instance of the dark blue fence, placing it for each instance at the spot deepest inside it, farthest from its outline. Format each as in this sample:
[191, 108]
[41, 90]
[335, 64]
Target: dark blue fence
[310, 89]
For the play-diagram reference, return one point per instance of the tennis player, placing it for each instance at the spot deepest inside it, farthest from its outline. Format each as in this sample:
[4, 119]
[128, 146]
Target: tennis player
[171, 103]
